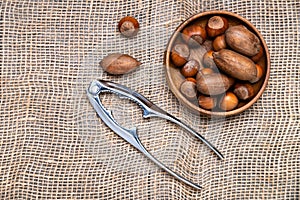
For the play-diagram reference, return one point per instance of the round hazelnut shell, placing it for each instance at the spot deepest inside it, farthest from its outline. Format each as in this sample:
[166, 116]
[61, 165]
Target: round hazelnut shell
[128, 26]
[180, 54]
[212, 26]
[194, 35]
[229, 101]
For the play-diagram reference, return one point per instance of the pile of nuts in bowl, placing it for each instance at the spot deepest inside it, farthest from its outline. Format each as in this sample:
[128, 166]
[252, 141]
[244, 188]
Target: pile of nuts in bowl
[224, 74]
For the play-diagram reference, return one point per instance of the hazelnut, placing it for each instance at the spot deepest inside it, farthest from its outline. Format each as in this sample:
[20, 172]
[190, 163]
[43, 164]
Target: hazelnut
[207, 45]
[258, 56]
[207, 71]
[243, 91]
[219, 43]
[228, 102]
[204, 71]
[189, 90]
[207, 102]
[208, 60]
[216, 25]
[190, 68]
[128, 26]
[191, 79]
[259, 73]
[194, 35]
[180, 54]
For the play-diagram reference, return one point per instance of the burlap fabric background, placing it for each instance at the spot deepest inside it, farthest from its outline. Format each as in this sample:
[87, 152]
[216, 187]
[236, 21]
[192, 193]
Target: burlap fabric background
[53, 146]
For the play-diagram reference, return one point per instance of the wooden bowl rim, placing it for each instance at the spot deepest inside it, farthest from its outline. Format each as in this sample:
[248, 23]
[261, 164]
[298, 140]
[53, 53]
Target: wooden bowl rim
[176, 92]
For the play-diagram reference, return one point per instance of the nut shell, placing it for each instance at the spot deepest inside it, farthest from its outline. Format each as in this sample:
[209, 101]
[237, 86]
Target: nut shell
[214, 84]
[194, 35]
[128, 26]
[240, 39]
[216, 25]
[259, 55]
[189, 90]
[118, 63]
[191, 79]
[243, 91]
[208, 60]
[259, 74]
[207, 102]
[180, 54]
[235, 64]
[228, 102]
[204, 71]
[219, 43]
[190, 68]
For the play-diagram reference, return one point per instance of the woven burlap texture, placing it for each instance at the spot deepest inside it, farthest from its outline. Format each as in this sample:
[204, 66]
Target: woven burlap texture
[53, 145]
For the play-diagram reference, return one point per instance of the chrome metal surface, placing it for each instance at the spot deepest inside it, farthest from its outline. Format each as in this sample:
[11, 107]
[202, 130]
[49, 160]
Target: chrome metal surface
[149, 110]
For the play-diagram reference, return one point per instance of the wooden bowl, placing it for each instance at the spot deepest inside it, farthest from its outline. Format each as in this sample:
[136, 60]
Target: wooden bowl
[175, 78]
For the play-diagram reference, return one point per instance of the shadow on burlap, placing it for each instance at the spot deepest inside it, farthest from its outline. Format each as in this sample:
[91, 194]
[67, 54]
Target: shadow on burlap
[53, 145]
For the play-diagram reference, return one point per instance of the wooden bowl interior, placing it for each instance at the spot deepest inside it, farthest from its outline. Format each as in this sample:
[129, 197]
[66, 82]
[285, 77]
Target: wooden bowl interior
[175, 78]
